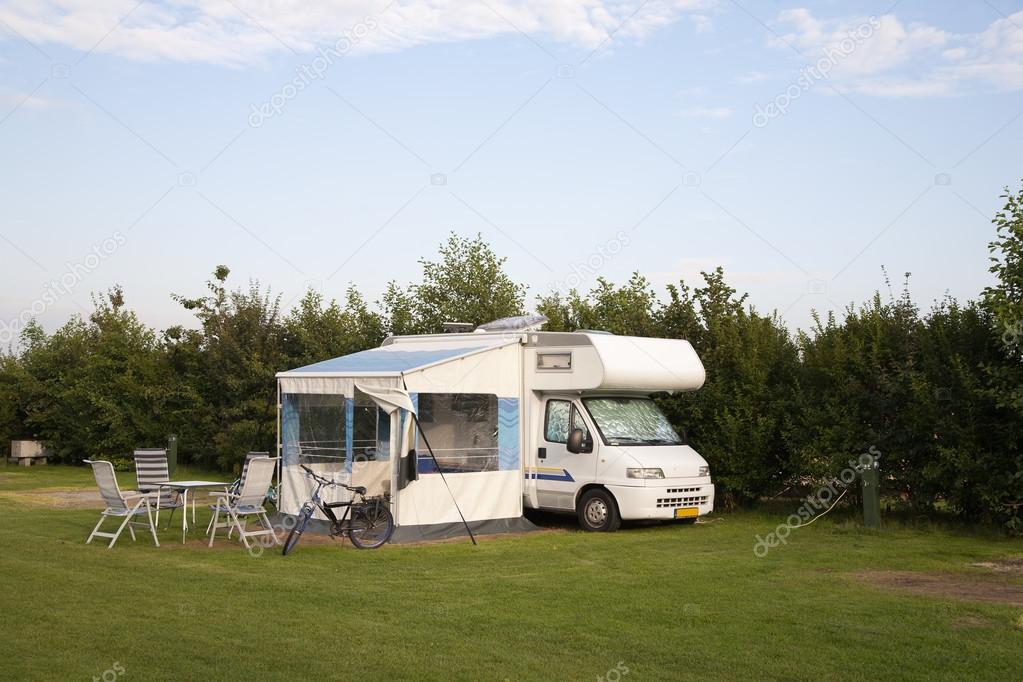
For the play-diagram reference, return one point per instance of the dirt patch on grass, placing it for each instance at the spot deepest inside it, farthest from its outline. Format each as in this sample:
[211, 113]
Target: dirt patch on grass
[959, 586]
[56, 498]
[1013, 565]
[972, 622]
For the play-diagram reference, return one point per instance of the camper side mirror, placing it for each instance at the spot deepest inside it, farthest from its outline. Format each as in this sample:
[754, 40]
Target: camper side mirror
[578, 443]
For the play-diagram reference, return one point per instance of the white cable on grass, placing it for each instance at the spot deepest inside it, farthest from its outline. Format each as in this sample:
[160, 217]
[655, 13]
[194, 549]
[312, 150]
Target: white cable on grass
[803, 525]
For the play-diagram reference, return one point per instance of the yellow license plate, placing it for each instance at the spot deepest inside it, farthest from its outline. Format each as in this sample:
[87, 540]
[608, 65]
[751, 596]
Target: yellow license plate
[686, 512]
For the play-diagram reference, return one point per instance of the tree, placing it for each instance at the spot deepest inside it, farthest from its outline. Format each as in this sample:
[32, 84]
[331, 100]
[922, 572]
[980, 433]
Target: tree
[95, 387]
[314, 331]
[628, 309]
[740, 420]
[1004, 300]
[12, 412]
[467, 284]
[232, 362]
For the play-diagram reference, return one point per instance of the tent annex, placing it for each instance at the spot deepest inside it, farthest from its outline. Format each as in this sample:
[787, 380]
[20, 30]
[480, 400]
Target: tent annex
[351, 418]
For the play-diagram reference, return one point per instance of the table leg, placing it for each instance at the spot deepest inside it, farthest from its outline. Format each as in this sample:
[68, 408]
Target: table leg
[184, 514]
[193, 509]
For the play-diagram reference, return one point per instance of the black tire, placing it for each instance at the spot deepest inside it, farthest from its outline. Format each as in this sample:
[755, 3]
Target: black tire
[598, 511]
[371, 525]
[297, 531]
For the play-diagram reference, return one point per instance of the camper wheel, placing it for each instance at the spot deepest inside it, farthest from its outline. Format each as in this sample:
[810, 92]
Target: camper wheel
[598, 511]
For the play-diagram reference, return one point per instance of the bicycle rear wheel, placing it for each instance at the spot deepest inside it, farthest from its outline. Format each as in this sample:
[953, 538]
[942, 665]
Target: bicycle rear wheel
[296, 532]
[371, 525]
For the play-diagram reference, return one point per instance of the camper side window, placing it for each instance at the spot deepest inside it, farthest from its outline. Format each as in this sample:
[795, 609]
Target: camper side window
[556, 426]
[561, 418]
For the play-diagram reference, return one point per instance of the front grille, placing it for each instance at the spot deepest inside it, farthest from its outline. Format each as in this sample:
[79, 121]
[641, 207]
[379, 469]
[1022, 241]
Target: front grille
[687, 501]
[672, 491]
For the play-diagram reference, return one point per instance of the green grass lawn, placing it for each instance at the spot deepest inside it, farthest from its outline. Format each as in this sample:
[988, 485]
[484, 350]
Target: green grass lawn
[663, 602]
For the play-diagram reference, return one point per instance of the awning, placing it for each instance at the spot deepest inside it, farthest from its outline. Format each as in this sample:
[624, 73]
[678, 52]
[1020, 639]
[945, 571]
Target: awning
[380, 369]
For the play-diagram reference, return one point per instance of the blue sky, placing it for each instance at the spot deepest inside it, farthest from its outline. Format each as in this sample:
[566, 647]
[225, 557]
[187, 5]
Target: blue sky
[800, 145]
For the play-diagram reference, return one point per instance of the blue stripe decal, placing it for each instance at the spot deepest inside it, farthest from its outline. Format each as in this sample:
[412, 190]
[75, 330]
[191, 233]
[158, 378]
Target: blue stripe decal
[508, 434]
[563, 476]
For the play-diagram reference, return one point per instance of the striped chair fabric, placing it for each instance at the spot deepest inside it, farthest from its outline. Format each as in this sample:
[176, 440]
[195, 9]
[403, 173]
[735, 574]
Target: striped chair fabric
[245, 465]
[151, 469]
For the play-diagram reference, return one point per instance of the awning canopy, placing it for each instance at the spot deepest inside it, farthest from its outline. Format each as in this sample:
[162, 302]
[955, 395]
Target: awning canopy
[379, 371]
[381, 361]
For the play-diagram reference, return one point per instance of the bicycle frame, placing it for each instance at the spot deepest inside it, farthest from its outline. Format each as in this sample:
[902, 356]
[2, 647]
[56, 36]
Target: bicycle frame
[336, 524]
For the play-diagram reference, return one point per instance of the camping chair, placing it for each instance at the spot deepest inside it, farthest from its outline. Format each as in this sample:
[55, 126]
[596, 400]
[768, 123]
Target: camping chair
[247, 502]
[151, 469]
[237, 484]
[120, 505]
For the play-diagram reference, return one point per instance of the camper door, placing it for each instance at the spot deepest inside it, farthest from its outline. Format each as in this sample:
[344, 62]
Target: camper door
[560, 473]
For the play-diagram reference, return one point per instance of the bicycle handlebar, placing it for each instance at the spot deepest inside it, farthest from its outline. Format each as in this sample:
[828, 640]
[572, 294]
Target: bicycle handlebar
[358, 489]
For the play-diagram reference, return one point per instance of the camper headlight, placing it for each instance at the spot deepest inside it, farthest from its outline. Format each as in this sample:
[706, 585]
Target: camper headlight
[704, 471]
[644, 473]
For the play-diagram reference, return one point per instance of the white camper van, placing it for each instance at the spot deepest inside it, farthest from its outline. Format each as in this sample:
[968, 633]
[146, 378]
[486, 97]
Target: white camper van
[480, 425]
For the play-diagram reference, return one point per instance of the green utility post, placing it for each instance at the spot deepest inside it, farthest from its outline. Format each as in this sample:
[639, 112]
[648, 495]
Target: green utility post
[172, 453]
[871, 480]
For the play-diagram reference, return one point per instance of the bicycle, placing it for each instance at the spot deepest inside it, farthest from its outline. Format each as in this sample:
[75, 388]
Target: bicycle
[370, 526]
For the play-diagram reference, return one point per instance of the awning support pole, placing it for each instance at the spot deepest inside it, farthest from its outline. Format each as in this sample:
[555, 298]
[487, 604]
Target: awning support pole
[441, 472]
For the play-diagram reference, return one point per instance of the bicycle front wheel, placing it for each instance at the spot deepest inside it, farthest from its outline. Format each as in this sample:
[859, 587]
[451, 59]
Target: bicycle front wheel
[371, 525]
[296, 532]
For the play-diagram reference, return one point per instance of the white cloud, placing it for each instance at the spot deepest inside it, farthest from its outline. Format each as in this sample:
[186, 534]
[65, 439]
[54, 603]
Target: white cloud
[707, 112]
[702, 23]
[895, 59]
[694, 91]
[754, 77]
[10, 99]
[238, 32]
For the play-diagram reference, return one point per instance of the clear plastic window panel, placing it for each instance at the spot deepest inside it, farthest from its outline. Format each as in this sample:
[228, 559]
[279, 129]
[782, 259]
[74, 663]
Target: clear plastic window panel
[314, 429]
[462, 430]
[313, 434]
[371, 431]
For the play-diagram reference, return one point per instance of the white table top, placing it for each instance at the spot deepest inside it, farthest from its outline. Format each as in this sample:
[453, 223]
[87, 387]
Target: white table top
[195, 484]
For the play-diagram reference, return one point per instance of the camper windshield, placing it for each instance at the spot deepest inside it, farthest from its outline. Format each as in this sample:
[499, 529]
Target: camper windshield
[631, 421]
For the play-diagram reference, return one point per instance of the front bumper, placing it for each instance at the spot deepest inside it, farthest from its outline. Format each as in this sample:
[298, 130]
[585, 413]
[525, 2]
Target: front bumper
[661, 500]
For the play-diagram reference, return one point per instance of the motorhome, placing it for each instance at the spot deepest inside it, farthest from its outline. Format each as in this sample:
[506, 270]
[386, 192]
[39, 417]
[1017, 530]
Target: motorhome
[478, 426]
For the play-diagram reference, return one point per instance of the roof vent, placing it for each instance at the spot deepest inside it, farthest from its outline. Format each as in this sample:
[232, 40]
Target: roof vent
[519, 323]
[457, 327]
